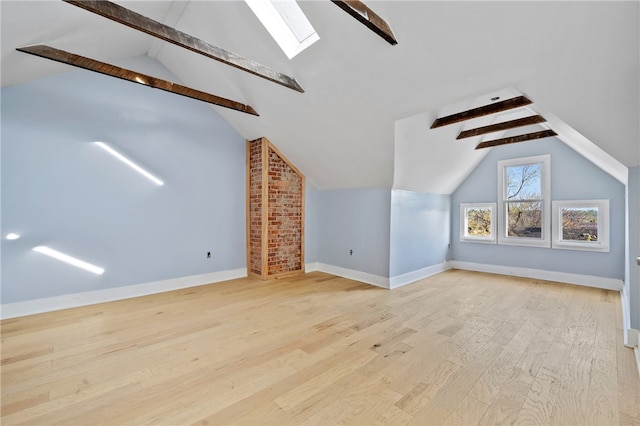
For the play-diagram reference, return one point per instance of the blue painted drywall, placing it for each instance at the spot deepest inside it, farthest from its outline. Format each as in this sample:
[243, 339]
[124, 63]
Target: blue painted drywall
[59, 189]
[420, 231]
[572, 178]
[634, 245]
[311, 224]
[358, 220]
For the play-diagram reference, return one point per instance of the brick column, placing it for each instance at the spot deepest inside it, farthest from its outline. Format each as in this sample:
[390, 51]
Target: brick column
[275, 212]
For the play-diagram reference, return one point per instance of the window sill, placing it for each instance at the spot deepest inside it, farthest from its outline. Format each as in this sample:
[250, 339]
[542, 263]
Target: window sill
[478, 240]
[582, 247]
[524, 242]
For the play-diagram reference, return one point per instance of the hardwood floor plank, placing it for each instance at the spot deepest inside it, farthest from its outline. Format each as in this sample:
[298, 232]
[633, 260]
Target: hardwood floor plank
[602, 406]
[370, 399]
[307, 389]
[542, 400]
[572, 398]
[491, 382]
[222, 393]
[468, 412]
[418, 364]
[459, 347]
[440, 407]
[628, 397]
[334, 413]
[627, 370]
[430, 384]
[506, 406]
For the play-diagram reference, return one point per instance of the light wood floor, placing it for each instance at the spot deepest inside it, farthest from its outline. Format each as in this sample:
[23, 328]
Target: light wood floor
[457, 348]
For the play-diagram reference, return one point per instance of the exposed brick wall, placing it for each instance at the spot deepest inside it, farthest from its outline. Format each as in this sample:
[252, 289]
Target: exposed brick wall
[285, 217]
[255, 207]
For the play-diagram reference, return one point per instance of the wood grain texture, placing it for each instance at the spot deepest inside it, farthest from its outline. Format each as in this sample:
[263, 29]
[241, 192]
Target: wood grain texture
[248, 209]
[505, 125]
[368, 17]
[456, 348]
[507, 104]
[264, 224]
[132, 76]
[159, 30]
[515, 139]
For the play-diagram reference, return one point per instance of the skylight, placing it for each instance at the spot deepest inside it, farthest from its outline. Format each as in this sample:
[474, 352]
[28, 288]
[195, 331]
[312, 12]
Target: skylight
[286, 23]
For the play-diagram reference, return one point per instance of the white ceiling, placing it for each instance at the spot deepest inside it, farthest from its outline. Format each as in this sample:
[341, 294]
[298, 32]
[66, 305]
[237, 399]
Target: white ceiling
[579, 60]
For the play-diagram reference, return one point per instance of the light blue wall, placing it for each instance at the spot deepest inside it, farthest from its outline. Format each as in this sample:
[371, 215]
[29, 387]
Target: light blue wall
[420, 231]
[572, 178]
[59, 189]
[311, 224]
[634, 245]
[358, 220]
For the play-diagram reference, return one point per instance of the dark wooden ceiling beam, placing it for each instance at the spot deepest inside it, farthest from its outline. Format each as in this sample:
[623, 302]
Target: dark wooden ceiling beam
[506, 125]
[140, 22]
[368, 17]
[135, 77]
[493, 108]
[515, 139]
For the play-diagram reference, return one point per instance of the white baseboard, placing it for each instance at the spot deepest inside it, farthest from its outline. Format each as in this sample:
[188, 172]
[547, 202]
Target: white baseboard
[631, 337]
[377, 280]
[413, 276]
[400, 280]
[632, 340]
[312, 267]
[48, 304]
[351, 274]
[626, 317]
[563, 277]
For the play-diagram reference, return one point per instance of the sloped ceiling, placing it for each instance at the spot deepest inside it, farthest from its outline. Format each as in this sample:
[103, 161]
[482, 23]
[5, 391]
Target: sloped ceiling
[579, 60]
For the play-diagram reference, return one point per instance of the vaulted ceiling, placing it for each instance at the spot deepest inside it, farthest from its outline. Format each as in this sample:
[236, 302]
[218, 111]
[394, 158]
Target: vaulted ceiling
[578, 60]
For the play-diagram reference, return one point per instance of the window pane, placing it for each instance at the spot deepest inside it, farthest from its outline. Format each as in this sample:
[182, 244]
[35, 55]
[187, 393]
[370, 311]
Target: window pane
[524, 219]
[524, 182]
[478, 222]
[580, 223]
[286, 23]
[294, 18]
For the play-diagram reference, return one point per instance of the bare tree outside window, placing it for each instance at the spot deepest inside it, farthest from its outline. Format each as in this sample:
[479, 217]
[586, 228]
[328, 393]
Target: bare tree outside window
[580, 224]
[524, 200]
[479, 222]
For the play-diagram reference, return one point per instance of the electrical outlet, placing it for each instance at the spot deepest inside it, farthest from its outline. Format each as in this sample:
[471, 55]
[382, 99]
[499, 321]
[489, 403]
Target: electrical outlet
[208, 255]
[351, 252]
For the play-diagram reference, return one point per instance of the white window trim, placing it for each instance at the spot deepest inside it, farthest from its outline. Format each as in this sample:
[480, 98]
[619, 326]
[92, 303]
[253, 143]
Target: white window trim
[270, 16]
[463, 223]
[545, 183]
[601, 245]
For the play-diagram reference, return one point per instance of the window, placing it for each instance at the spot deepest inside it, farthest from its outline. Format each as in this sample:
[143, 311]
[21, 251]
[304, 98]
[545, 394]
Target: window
[581, 225]
[477, 222]
[523, 197]
[286, 23]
